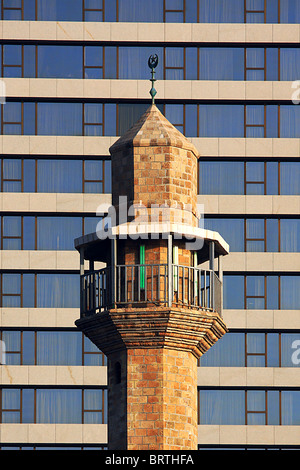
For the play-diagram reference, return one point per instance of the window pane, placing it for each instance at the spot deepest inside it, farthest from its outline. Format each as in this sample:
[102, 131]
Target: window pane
[221, 121]
[57, 290]
[59, 348]
[60, 61]
[58, 406]
[139, 11]
[233, 292]
[218, 11]
[229, 351]
[59, 176]
[256, 343]
[255, 285]
[255, 171]
[272, 235]
[59, 119]
[59, 10]
[290, 407]
[222, 407]
[290, 292]
[290, 11]
[133, 62]
[290, 350]
[221, 177]
[232, 230]
[289, 121]
[255, 57]
[128, 115]
[58, 233]
[272, 292]
[255, 228]
[290, 235]
[289, 178]
[221, 63]
[12, 54]
[272, 177]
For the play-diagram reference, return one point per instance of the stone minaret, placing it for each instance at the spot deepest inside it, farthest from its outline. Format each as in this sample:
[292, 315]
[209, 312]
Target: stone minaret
[156, 306]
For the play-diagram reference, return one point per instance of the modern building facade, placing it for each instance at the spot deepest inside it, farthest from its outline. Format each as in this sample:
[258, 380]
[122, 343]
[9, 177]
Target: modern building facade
[75, 79]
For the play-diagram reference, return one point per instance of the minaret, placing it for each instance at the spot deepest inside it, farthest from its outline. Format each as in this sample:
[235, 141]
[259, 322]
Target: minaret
[156, 306]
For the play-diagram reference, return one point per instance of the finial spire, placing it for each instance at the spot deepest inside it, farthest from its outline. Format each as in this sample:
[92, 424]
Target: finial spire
[152, 62]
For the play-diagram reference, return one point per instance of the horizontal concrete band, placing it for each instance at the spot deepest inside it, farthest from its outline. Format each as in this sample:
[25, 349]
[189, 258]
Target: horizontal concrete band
[69, 260]
[150, 32]
[53, 375]
[65, 318]
[139, 89]
[207, 147]
[248, 435]
[97, 434]
[99, 203]
[97, 376]
[35, 434]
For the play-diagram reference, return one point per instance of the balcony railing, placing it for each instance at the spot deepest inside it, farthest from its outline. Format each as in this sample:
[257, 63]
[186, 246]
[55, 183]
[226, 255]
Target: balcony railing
[150, 285]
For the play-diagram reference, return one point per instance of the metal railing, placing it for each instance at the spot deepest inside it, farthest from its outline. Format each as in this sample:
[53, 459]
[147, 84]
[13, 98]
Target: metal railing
[146, 285]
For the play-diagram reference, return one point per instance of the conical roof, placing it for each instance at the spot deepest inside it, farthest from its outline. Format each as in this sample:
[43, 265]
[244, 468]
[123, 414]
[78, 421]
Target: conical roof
[153, 129]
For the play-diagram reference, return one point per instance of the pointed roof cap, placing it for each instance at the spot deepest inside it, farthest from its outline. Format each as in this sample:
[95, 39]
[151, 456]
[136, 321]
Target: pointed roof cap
[153, 129]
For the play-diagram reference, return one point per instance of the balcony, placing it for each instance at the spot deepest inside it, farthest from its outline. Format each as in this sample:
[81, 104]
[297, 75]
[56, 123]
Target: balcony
[144, 285]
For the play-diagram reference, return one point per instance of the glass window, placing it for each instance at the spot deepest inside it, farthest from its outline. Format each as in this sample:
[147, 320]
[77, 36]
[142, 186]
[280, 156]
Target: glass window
[272, 63]
[233, 292]
[12, 60]
[218, 11]
[58, 233]
[12, 341]
[256, 407]
[290, 11]
[94, 407]
[290, 407]
[93, 10]
[139, 11]
[59, 10]
[255, 292]
[255, 235]
[11, 405]
[59, 119]
[289, 64]
[256, 349]
[11, 175]
[128, 115]
[93, 62]
[228, 351]
[57, 290]
[289, 121]
[58, 406]
[221, 63]
[272, 235]
[255, 121]
[12, 118]
[59, 347]
[290, 349]
[60, 61]
[289, 178]
[255, 178]
[221, 120]
[174, 63]
[55, 176]
[221, 177]
[290, 235]
[174, 113]
[222, 406]
[133, 62]
[93, 119]
[11, 233]
[255, 63]
[290, 292]
[11, 290]
[232, 230]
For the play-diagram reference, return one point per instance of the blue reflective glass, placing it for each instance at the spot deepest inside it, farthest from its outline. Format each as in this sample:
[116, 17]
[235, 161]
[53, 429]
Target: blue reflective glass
[289, 178]
[273, 349]
[218, 11]
[221, 63]
[272, 64]
[232, 230]
[28, 347]
[233, 291]
[290, 11]
[58, 406]
[272, 235]
[229, 351]
[290, 292]
[59, 348]
[58, 233]
[139, 11]
[59, 119]
[221, 121]
[221, 177]
[290, 235]
[59, 10]
[272, 293]
[255, 285]
[289, 121]
[133, 62]
[60, 61]
[55, 176]
[12, 54]
[29, 61]
[222, 407]
[28, 233]
[57, 290]
[290, 407]
[28, 290]
[289, 64]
